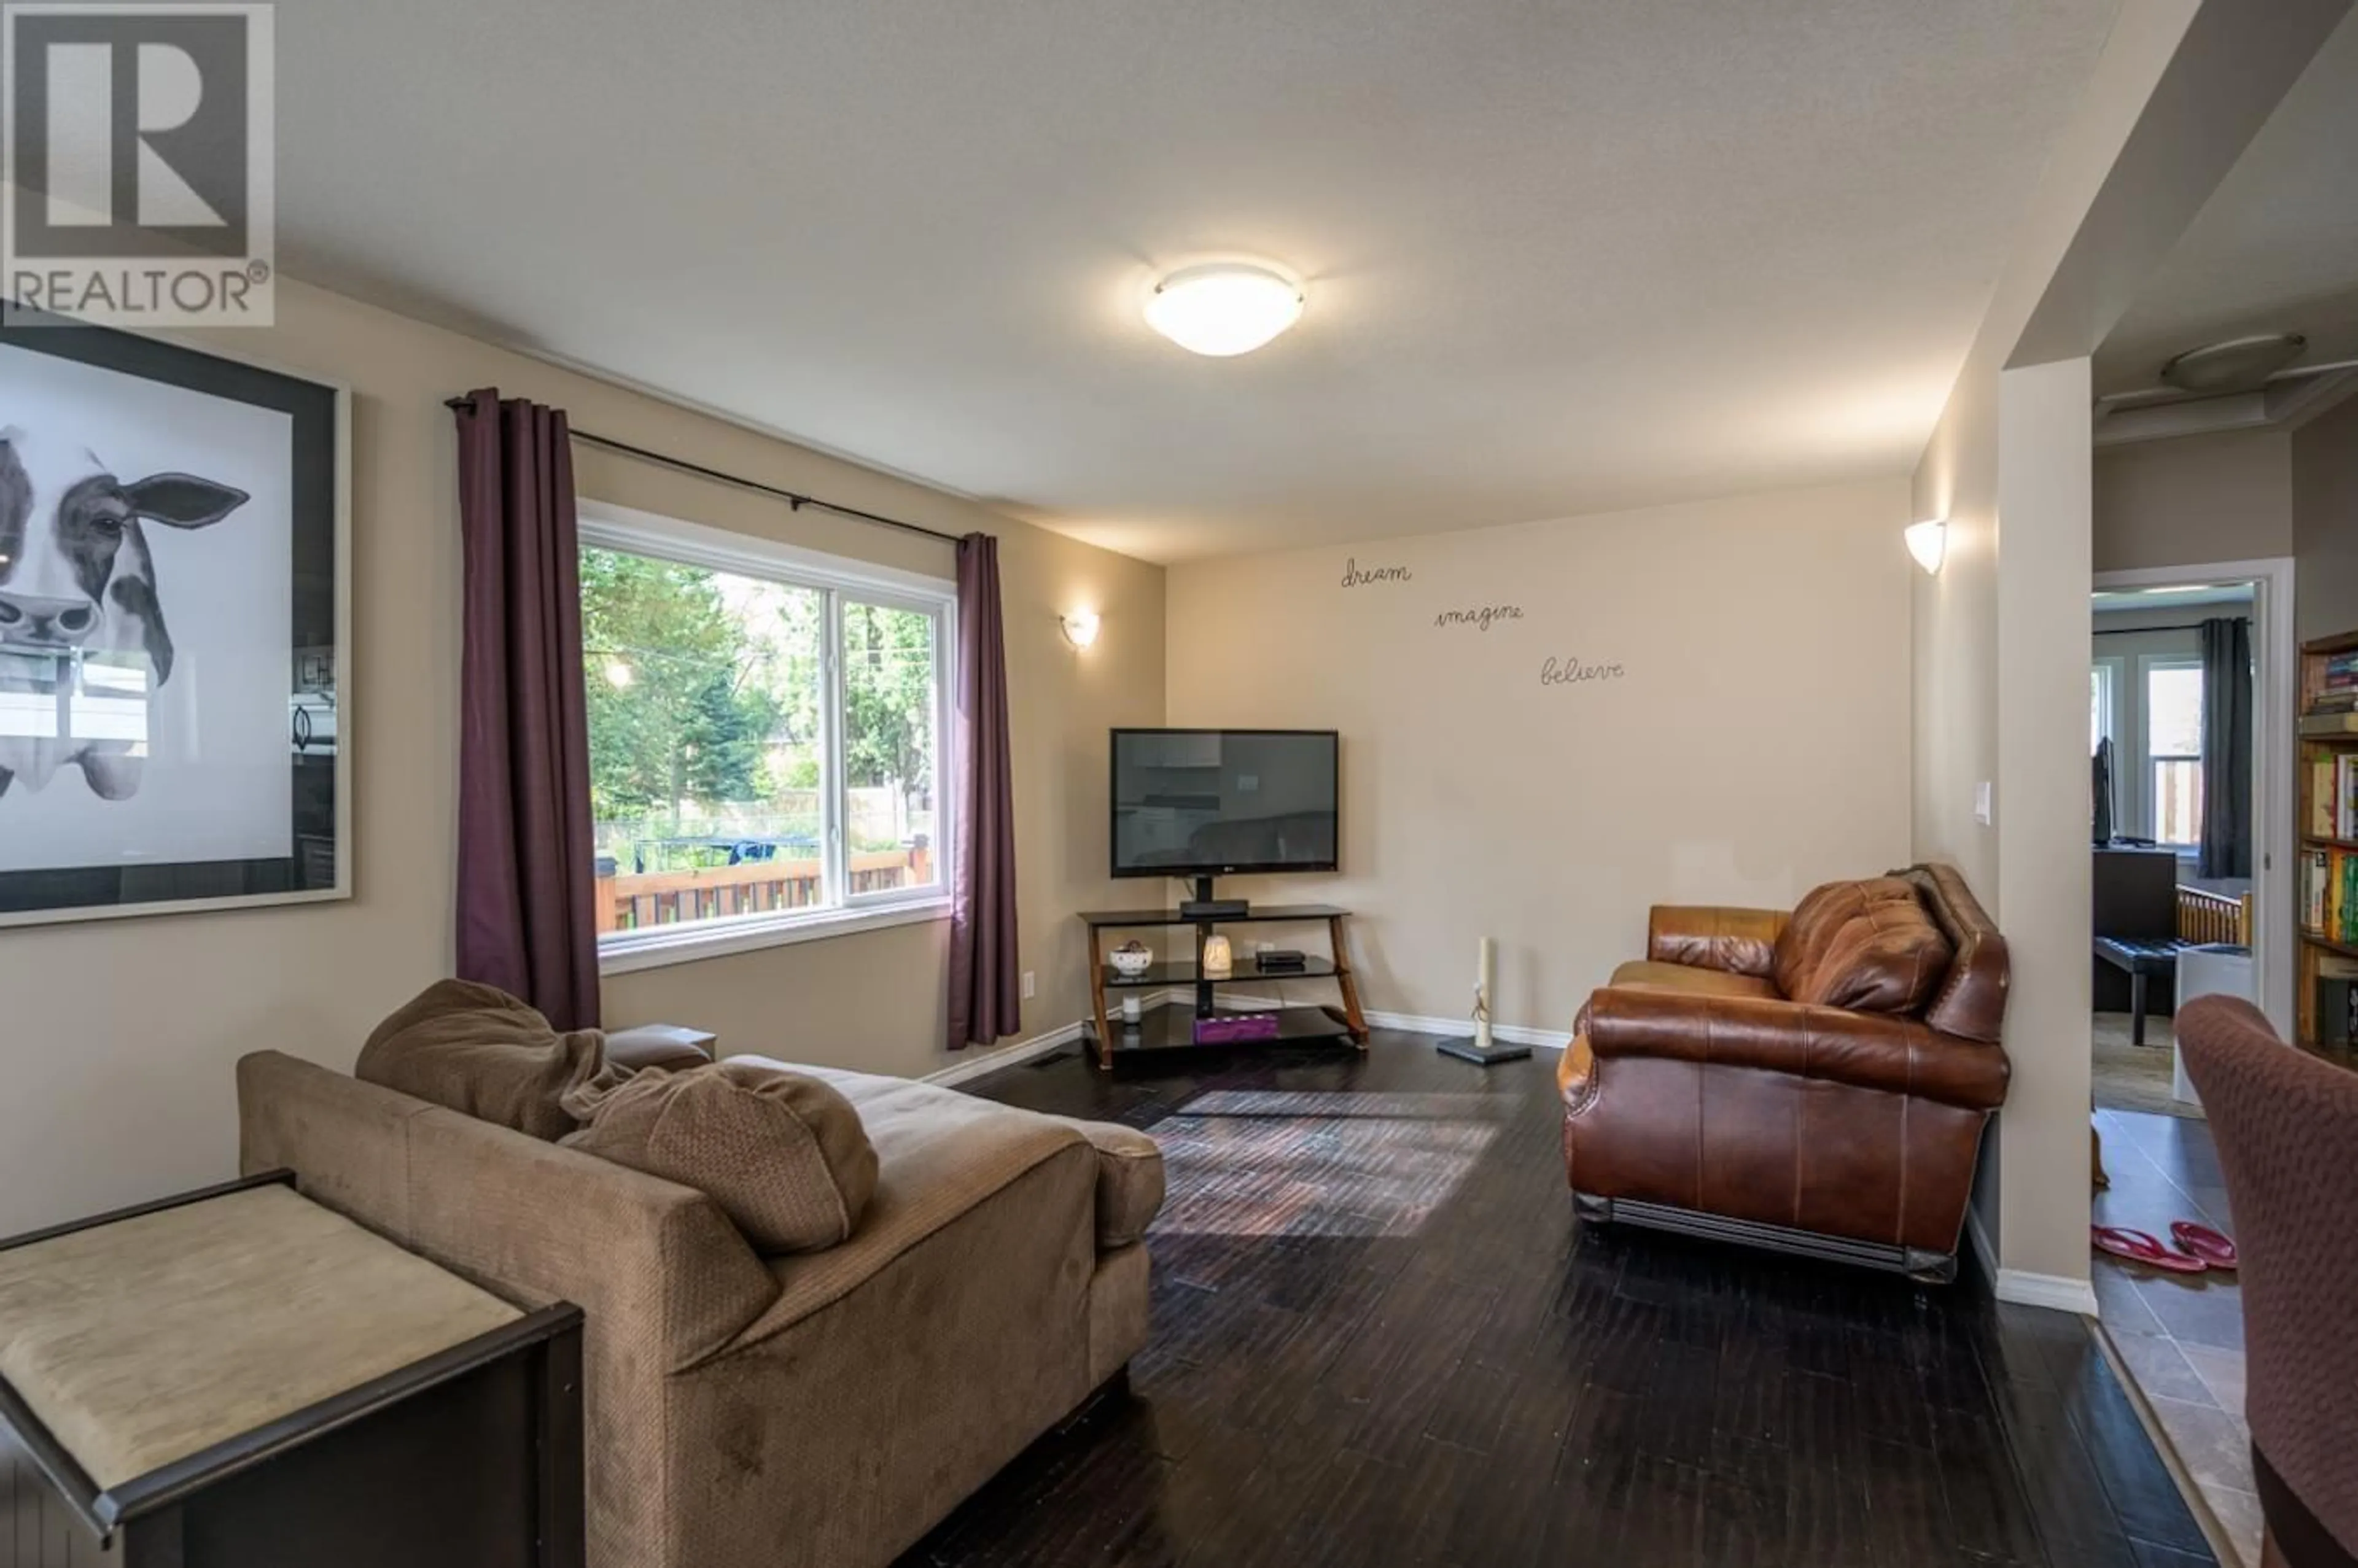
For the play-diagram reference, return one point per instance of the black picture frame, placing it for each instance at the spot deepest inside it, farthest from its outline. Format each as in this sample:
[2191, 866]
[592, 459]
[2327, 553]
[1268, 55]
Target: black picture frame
[318, 865]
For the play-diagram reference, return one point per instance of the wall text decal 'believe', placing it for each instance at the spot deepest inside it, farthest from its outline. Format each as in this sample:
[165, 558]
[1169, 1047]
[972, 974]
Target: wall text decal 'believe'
[1572, 672]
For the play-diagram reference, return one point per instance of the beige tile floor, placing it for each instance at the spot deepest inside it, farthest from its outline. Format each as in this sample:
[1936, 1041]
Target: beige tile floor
[2181, 1335]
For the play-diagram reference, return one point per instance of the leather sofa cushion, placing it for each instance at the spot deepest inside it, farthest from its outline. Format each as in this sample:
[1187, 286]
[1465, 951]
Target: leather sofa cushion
[784, 1156]
[1690, 979]
[1868, 946]
[476, 1050]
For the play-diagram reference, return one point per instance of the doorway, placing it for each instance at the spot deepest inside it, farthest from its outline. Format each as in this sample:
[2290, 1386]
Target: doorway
[2155, 677]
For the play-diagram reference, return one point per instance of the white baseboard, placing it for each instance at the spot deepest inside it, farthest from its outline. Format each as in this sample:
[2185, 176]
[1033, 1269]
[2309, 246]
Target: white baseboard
[2023, 1288]
[990, 1061]
[2054, 1291]
[1512, 1033]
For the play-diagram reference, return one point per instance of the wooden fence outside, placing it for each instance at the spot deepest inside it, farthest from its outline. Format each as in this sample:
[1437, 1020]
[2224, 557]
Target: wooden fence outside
[628, 902]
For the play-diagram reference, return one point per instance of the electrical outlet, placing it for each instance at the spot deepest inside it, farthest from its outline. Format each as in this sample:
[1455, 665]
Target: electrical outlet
[1029, 987]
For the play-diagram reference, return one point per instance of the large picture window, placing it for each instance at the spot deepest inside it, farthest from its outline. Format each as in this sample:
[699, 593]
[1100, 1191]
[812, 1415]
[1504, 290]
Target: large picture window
[765, 740]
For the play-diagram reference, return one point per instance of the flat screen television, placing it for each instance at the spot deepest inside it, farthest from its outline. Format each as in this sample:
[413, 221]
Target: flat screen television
[1202, 802]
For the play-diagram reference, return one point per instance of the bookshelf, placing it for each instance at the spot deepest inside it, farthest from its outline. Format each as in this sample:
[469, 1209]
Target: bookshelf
[2327, 773]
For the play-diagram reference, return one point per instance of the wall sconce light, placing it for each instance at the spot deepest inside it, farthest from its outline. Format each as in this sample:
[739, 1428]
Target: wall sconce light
[1929, 543]
[1080, 627]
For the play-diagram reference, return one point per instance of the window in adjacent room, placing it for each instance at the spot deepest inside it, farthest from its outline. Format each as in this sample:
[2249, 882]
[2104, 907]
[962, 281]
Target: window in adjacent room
[2173, 748]
[765, 740]
[2104, 723]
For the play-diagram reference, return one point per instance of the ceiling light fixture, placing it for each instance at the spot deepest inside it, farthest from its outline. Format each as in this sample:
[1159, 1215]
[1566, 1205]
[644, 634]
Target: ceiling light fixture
[2235, 365]
[1929, 543]
[1223, 308]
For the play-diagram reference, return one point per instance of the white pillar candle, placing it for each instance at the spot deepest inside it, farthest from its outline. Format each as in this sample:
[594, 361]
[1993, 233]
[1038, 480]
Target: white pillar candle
[1485, 976]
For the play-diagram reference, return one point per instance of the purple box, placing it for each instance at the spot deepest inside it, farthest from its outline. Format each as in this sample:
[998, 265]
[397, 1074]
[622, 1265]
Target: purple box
[1229, 1028]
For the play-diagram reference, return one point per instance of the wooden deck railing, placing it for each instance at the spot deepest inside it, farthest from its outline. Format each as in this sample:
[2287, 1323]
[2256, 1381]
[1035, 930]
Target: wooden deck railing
[628, 902]
[2206, 917]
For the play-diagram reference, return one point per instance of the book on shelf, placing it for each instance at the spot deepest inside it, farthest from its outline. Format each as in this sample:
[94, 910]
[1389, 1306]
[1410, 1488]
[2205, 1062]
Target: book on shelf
[2329, 723]
[2334, 796]
[2329, 896]
[2337, 999]
[2337, 1011]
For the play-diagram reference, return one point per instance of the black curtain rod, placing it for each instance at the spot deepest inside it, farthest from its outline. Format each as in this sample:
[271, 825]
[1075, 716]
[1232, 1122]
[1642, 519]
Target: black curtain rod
[2140, 631]
[792, 498]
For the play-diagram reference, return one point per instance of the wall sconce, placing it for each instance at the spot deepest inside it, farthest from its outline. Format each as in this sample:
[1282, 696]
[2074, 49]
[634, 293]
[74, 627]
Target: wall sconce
[1080, 627]
[1929, 543]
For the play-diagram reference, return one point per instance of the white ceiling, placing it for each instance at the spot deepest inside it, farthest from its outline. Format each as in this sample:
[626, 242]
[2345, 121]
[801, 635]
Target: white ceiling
[1564, 257]
[2275, 249]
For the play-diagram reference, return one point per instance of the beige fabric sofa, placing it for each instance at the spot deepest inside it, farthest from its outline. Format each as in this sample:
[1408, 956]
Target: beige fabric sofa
[819, 1410]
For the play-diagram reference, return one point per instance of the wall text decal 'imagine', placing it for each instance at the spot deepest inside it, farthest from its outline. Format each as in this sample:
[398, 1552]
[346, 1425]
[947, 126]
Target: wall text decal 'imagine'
[1572, 672]
[1353, 577]
[1482, 620]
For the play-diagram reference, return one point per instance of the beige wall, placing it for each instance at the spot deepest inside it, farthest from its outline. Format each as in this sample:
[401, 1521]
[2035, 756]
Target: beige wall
[2325, 523]
[1756, 744]
[121, 1034]
[2194, 500]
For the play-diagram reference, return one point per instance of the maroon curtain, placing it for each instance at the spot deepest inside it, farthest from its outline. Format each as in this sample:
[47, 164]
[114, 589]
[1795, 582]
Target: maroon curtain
[527, 872]
[986, 990]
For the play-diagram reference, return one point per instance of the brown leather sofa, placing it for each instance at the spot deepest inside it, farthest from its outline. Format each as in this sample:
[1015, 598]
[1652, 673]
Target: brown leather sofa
[1816, 1081]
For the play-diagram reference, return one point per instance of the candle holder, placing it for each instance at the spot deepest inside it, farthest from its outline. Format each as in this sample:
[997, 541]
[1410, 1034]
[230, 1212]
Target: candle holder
[1484, 1049]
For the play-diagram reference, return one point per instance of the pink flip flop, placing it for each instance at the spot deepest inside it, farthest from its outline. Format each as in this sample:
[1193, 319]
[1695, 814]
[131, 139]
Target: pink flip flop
[2200, 1242]
[2139, 1247]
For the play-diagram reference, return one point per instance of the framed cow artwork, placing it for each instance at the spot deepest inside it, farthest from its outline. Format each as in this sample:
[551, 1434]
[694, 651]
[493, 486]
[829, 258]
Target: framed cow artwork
[174, 643]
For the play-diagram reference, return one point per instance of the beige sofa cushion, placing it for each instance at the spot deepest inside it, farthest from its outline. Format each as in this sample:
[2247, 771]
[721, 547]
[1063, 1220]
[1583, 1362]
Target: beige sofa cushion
[476, 1050]
[904, 1115]
[781, 1153]
[1129, 1180]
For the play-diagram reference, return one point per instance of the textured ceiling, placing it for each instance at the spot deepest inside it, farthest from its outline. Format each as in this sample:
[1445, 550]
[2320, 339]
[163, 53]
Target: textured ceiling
[2275, 249]
[1563, 256]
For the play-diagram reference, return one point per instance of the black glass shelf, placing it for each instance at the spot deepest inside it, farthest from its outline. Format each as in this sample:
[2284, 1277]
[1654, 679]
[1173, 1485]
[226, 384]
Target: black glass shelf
[1171, 1027]
[1246, 967]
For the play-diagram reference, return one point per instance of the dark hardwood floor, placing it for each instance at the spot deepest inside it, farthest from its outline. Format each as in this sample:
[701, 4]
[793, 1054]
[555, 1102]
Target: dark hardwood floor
[1382, 1337]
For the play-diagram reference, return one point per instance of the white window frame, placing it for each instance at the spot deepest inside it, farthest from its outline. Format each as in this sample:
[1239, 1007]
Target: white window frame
[610, 527]
[2147, 665]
